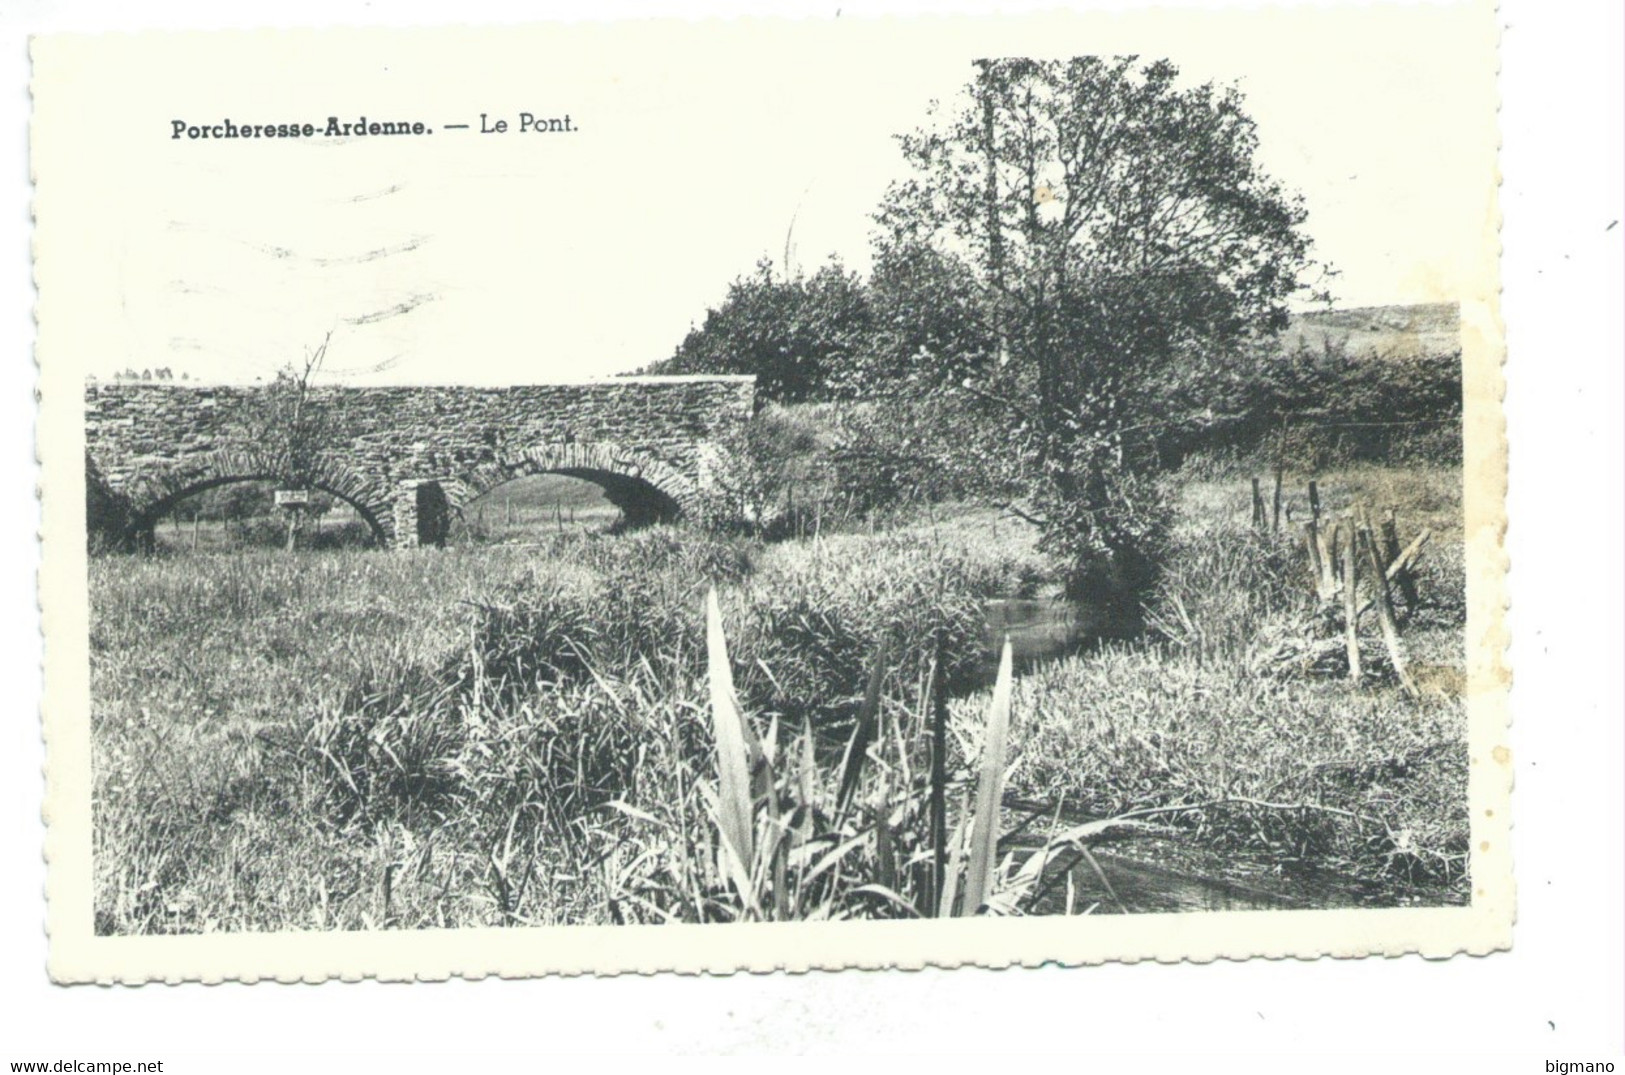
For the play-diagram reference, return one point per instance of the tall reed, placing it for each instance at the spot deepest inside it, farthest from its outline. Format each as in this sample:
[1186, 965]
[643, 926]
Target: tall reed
[862, 842]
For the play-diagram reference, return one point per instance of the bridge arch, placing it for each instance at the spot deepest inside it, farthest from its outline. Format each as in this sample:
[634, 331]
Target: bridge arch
[158, 490]
[642, 486]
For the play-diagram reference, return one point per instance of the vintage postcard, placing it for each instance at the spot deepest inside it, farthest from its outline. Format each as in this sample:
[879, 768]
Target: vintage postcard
[752, 495]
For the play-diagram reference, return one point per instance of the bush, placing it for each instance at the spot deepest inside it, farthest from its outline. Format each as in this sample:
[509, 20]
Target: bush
[809, 622]
[901, 453]
[262, 532]
[810, 625]
[793, 334]
[769, 478]
[1108, 528]
[597, 605]
[816, 468]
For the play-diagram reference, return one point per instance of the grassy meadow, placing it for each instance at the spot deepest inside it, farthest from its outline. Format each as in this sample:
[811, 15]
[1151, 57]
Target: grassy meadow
[497, 734]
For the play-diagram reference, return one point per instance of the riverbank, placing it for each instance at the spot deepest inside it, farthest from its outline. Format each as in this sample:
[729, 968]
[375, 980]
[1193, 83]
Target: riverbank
[497, 735]
[1218, 730]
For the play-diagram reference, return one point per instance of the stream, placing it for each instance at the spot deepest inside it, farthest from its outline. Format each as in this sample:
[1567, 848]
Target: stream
[1040, 628]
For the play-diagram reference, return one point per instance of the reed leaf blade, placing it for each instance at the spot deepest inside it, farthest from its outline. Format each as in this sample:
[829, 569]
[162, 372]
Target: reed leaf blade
[863, 733]
[733, 764]
[989, 791]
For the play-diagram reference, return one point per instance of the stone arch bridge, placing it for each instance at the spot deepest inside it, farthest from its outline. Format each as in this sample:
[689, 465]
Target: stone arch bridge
[406, 458]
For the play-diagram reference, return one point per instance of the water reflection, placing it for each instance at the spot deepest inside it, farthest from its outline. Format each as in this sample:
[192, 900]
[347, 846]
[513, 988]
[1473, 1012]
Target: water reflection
[1038, 628]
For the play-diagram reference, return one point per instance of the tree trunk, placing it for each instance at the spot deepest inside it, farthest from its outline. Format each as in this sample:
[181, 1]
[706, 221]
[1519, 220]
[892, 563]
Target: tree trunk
[990, 201]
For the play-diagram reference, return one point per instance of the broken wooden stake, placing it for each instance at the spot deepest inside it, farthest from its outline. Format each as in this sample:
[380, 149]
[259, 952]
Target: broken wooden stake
[1351, 612]
[1275, 516]
[1407, 559]
[1385, 613]
[1322, 561]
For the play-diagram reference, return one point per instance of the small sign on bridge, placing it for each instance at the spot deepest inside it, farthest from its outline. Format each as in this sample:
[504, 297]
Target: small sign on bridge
[292, 498]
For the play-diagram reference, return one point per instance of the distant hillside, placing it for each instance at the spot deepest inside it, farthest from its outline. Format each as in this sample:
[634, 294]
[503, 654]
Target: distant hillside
[1380, 331]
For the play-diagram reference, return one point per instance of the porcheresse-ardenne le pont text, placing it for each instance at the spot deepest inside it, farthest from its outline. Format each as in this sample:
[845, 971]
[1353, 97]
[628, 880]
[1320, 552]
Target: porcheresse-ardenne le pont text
[528, 123]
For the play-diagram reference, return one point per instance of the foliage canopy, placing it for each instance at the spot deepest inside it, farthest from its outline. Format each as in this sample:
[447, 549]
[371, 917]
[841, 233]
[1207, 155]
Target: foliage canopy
[1122, 232]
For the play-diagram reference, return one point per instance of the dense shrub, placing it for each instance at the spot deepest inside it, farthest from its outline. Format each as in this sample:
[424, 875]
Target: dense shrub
[350, 534]
[271, 532]
[1296, 770]
[808, 622]
[618, 600]
[1110, 538]
[1225, 591]
[809, 626]
[770, 478]
[903, 452]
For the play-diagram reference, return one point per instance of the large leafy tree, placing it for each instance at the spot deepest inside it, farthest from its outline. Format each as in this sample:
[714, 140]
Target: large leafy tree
[1121, 231]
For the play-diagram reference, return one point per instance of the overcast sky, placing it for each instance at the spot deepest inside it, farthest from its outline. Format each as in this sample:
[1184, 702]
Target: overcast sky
[462, 257]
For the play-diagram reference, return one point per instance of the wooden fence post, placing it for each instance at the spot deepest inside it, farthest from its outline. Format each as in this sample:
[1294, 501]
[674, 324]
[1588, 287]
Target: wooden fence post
[1280, 473]
[1351, 607]
[1314, 499]
[1328, 558]
[1258, 506]
[1317, 570]
[1275, 516]
[1385, 613]
[1322, 559]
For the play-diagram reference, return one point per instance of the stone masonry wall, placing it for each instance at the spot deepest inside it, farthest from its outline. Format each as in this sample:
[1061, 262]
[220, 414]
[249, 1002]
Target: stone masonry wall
[148, 444]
